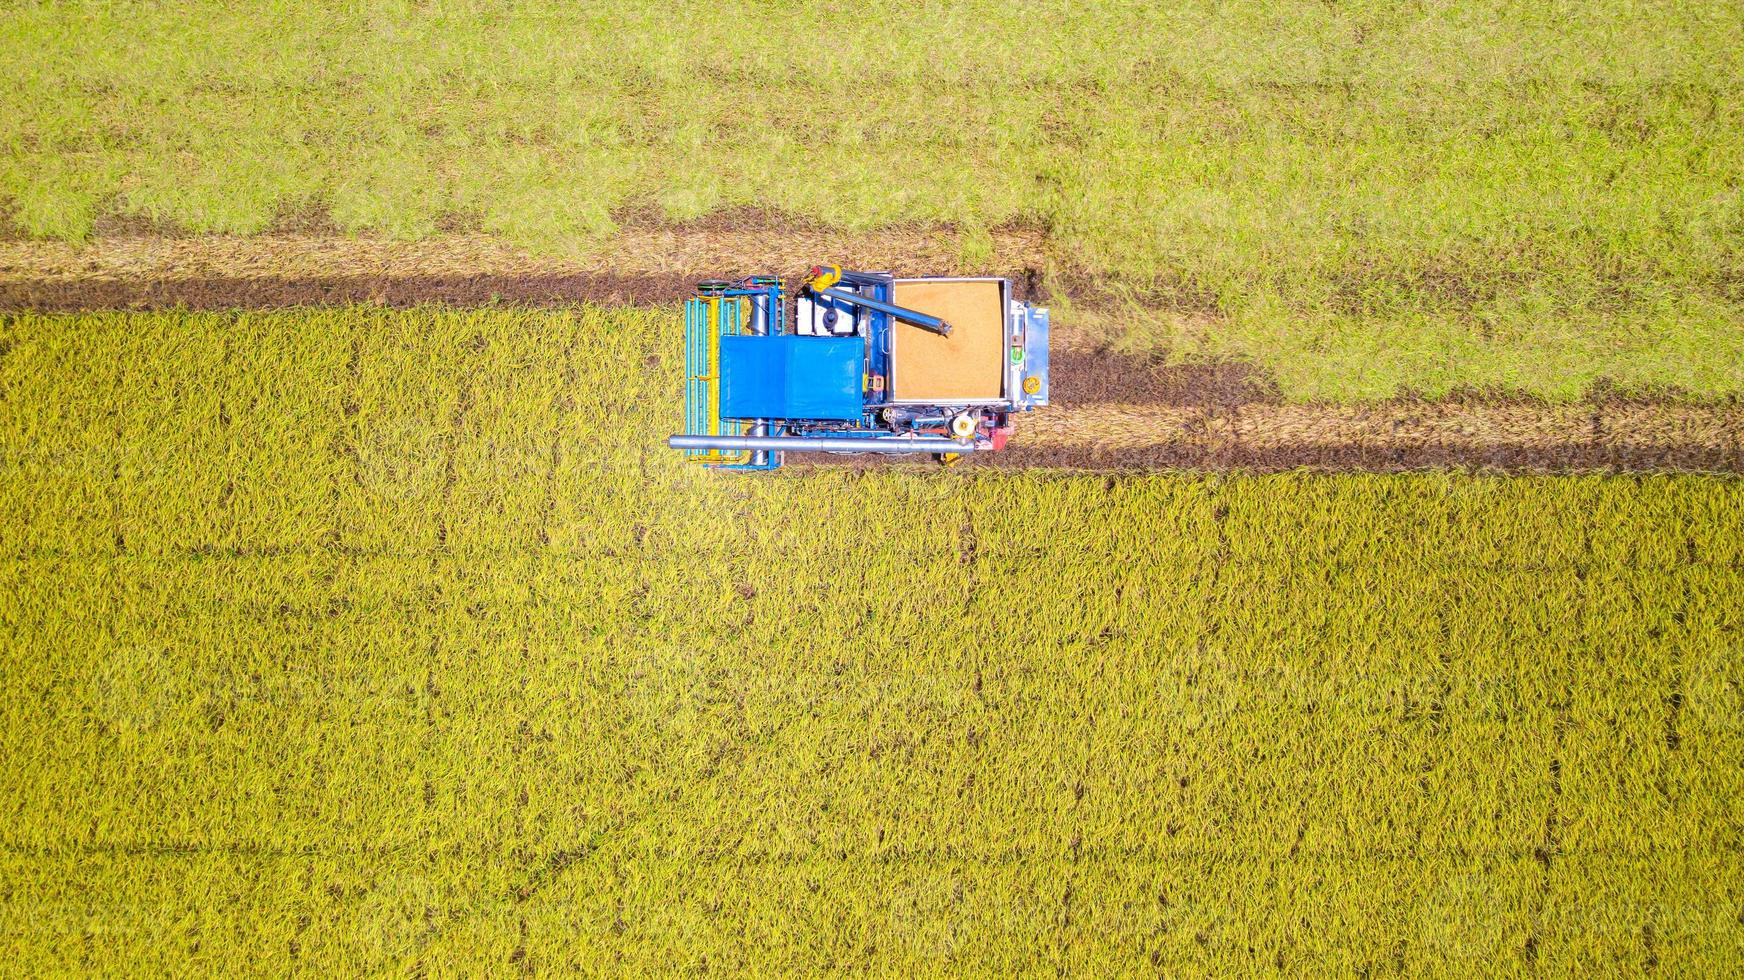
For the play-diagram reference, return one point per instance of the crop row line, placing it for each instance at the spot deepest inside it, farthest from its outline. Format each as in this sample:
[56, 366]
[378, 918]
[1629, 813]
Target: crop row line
[1269, 558]
[1087, 853]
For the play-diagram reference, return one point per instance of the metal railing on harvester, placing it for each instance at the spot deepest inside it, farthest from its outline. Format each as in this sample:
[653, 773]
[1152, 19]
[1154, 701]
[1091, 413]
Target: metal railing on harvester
[723, 311]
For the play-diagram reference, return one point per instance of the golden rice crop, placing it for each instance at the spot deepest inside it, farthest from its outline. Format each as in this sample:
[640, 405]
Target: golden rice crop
[396, 641]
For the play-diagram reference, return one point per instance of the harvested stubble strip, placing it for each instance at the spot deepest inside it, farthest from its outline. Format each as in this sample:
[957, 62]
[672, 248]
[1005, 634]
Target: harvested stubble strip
[1522, 425]
[1639, 424]
[632, 252]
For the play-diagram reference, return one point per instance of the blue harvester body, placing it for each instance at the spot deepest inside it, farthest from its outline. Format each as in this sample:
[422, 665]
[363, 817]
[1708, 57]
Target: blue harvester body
[855, 362]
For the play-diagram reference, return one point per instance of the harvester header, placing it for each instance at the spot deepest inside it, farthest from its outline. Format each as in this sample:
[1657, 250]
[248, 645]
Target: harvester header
[856, 362]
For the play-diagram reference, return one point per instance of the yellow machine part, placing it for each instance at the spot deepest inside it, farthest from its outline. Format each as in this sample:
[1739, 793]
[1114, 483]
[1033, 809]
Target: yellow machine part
[827, 276]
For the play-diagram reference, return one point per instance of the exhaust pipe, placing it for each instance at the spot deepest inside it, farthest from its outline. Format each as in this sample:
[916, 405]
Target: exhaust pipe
[804, 444]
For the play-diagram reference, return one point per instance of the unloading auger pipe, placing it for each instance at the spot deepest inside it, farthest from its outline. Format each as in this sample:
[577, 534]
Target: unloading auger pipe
[929, 323]
[803, 444]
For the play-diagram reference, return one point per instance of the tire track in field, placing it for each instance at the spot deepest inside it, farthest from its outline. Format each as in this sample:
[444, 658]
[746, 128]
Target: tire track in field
[562, 403]
[1397, 436]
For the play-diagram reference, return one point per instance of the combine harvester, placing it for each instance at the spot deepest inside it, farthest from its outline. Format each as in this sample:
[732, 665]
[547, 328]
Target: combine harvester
[862, 363]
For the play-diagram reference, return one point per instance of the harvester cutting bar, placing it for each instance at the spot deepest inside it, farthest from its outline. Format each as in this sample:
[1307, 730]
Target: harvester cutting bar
[886, 444]
[929, 323]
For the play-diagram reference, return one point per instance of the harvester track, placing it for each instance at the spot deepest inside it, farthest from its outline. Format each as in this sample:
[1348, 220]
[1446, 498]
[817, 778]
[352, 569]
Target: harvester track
[1518, 437]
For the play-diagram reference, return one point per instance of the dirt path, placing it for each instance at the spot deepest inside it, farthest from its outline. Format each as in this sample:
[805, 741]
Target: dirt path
[1112, 411]
[1514, 437]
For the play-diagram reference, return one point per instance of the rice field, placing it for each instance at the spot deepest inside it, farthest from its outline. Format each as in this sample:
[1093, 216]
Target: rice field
[395, 642]
[1357, 197]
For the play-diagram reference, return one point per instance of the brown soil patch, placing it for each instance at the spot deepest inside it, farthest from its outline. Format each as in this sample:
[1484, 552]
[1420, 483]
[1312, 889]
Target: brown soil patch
[114, 225]
[317, 222]
[1158, 292]
[1083, 376]
[10, 230]
[648, 216]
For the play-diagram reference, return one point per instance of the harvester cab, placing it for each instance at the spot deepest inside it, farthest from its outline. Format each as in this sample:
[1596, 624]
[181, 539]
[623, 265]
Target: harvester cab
[856, 362]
